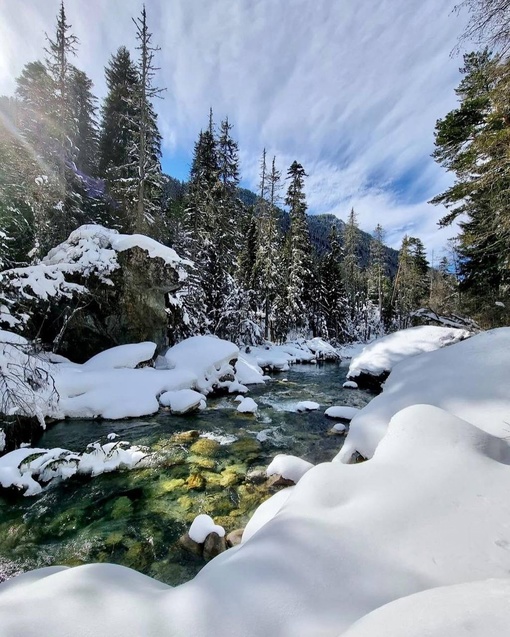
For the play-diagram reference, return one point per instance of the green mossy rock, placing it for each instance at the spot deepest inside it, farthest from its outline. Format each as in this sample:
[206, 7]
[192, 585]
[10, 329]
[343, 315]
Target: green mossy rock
[205, 447]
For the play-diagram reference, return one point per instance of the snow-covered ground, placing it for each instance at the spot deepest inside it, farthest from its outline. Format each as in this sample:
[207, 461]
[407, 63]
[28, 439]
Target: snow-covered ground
[413, 542]
[384, 353]
[430, 509]
[111, 385]
[469, 379]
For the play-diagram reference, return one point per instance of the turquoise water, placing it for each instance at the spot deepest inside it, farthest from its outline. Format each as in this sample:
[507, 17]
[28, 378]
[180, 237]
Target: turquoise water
[135, 517]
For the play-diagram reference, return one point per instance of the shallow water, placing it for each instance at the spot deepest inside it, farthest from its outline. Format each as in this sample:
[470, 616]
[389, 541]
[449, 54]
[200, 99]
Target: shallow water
[135, 517]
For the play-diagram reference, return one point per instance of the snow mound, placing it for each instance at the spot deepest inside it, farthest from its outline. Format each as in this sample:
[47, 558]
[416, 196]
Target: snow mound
[468, 379]
[129, 356]
[341, 412]
[207, 357]
[248, 373]
[322, 350]
[289, 467]
[182, 401]
[350, 384]
[266, 512]
[477, 609]
[247, 406]
[311, 569]
[307, 405]
[384, 353]
[202, 526]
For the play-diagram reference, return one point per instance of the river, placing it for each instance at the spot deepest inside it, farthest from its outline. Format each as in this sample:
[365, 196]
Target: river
[135, 517]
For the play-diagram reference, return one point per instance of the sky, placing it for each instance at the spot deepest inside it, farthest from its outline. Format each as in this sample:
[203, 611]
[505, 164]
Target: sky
[351, 89]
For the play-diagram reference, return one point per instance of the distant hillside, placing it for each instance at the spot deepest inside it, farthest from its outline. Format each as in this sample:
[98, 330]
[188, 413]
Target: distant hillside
[319, 226]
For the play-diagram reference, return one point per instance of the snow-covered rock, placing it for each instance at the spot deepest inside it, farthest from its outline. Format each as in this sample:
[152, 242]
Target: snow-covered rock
[202, 526]
[182, 401]
[348, 540]
[468, 379]
[339, 428]
[247, 406]
[248, 373]
[288, 467]
[30, 468]
[342, 412]
[322, 350]
[350, 384]
[207, 357]
[307, 405]
[379, 357]
[128, 356]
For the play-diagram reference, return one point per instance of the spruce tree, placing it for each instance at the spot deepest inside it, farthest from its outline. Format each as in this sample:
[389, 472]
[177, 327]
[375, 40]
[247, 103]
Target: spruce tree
[298, 251]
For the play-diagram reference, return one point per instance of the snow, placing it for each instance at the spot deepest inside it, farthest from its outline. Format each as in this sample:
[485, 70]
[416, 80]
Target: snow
[280, 357]
[342, 412]
[2, 439]
[477, 609]
[248, 373]
[429, 510]
[384, 353]
[338, 428]
[202, 526]
[350, 384]
[289, 467]
[27, 467]
[92, 249]
[107, 386]
[322, 349]
[468, 379]
[129, 356]
[207, 357]
[182, 401]
[265, 512]
[307, 405]
[247, 406]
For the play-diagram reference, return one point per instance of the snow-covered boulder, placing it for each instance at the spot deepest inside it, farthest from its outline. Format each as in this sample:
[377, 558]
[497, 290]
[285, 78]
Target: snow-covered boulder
[322, 350]
[468, 379]
[372, 366]
[288, 467]
[127, 277]
[247, 406]
[128, 356]
[209, 358]
[182, 401]
[342, 412]
[307, 405]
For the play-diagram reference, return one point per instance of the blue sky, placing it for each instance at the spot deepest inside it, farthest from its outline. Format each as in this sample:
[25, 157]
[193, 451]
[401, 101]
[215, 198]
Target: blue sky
[350, 88]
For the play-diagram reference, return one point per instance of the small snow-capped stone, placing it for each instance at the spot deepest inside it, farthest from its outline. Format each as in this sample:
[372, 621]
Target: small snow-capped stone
[350, 384]
[247, 406]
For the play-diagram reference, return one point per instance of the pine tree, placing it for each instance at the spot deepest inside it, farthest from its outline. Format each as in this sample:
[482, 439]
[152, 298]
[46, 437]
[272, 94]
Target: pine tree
[411, 282]
[378, 280]
[117, 140]
[352, 274]
[332, 300]
[147, 146]
[268, 262]
[298, 251]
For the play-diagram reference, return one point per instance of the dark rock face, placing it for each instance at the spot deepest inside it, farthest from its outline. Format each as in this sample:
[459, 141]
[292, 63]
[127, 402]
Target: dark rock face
[370, 382]
[130, 311]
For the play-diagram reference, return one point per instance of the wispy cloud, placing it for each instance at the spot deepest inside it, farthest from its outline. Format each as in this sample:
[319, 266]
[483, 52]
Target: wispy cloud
[350, 89]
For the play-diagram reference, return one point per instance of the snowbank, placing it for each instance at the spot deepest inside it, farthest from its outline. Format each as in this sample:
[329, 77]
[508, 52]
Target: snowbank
[384, 353]
[348, 540]
[121, 356]
[469, 379]
[280, 357]
[477, 609]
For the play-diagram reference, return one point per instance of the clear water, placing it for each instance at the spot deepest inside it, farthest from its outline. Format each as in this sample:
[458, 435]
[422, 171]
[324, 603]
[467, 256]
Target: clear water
[135, 517]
